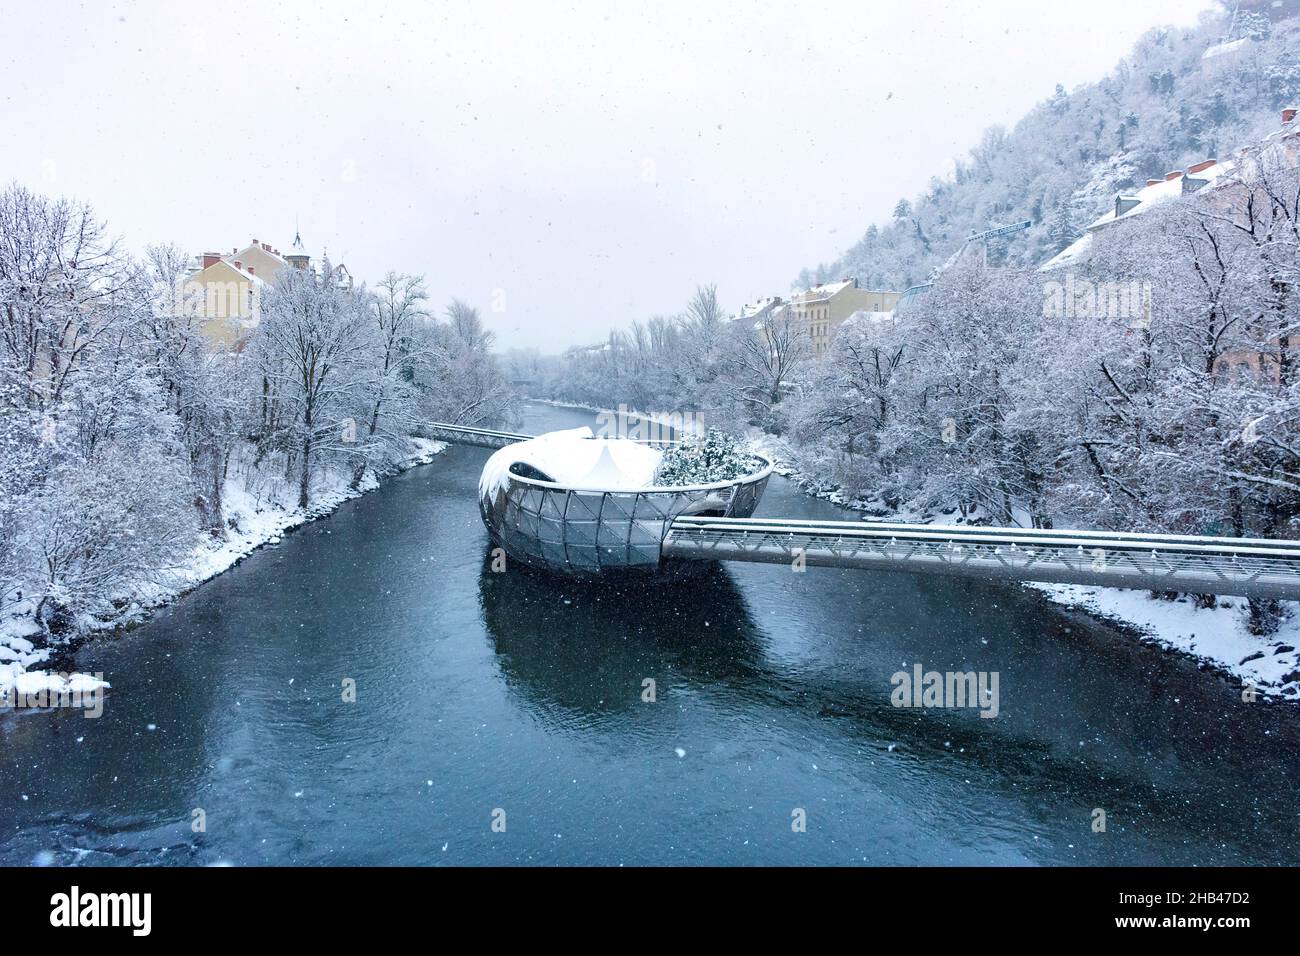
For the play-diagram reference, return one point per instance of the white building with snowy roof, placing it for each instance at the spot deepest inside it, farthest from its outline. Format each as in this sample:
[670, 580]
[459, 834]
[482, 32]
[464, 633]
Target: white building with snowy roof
[822, 308]
[1277, 150]
[1208, 173]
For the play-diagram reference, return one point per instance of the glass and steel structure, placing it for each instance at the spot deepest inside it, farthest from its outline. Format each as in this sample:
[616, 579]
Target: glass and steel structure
[585, 531]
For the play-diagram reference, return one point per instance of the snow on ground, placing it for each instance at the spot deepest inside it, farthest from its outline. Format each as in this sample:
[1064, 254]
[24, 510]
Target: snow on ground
[1215, 636]
[258, 511]
[261, 515]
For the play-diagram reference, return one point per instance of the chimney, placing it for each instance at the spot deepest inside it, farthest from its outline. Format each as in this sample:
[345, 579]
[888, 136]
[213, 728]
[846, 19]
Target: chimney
[1169, 177]
[1288, 115]
[252, 270]
[1154, 182]
[238, 264]
[1201, 166]
[211, 258]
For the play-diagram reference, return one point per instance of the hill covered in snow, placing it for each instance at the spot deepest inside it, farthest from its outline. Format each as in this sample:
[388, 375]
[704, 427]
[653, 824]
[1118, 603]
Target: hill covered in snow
[1180, 96]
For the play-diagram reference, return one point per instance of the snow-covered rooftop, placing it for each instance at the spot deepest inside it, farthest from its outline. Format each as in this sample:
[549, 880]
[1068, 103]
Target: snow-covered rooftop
[1280, 148]
[576, 459]
[750, 310]
[1228, 46]
[243, 273]
[868, 315]
[257, 247]
[1204, 175]
[820, 292]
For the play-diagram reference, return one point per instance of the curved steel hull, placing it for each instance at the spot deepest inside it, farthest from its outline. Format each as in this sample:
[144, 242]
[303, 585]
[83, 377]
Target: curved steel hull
[580, 532]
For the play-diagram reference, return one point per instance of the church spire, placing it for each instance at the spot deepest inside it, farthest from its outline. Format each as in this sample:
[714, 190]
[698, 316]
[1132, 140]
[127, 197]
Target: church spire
[298, 255]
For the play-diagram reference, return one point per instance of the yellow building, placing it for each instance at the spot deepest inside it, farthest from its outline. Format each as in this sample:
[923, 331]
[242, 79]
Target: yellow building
[822, 308]
[260, 259]
[225, 295]
[225, 290]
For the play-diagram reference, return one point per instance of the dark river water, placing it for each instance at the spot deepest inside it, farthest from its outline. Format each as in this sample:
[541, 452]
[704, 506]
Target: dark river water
[505, 696]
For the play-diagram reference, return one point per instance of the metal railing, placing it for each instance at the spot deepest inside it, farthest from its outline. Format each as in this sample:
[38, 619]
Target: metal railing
[479, 437]
[1249, 567]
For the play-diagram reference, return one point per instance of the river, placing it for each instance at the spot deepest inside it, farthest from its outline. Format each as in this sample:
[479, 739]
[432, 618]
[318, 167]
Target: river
[507, 697]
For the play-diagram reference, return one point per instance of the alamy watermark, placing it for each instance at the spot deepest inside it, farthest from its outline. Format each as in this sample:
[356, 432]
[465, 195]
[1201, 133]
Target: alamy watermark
[1083, 299]
[83, 692]
[236, 299]
[75, 908]
[946, 689]
[647, 426]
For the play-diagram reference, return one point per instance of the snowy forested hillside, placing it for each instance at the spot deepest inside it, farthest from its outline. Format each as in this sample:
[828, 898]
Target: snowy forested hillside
[1180, 96]
[1167, 401]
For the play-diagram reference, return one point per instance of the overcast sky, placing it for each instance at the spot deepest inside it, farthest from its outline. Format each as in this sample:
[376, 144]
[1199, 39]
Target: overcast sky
[577, 165]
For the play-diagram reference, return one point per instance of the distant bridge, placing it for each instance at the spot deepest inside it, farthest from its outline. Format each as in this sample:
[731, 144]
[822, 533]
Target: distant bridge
[1247, 567]
[479, 437]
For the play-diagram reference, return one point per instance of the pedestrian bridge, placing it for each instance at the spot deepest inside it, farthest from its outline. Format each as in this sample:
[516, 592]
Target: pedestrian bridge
[465, 435]
[1247, 567]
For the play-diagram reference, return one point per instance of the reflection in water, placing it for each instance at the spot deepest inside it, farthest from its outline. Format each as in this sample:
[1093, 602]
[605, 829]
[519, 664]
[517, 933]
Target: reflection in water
[577, 654]
[586, 646]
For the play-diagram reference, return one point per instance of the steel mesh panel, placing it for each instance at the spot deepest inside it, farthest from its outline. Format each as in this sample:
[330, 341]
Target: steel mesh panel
[586, 532]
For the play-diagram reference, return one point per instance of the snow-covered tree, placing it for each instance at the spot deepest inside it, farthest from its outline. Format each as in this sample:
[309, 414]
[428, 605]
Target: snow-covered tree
[1061, 230]
[765, 356]
[397, 312]
[312, 343]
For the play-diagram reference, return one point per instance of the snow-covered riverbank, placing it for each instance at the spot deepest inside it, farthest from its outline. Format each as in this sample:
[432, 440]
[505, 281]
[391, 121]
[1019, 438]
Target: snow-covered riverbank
[258, 512]
[1217, 637]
